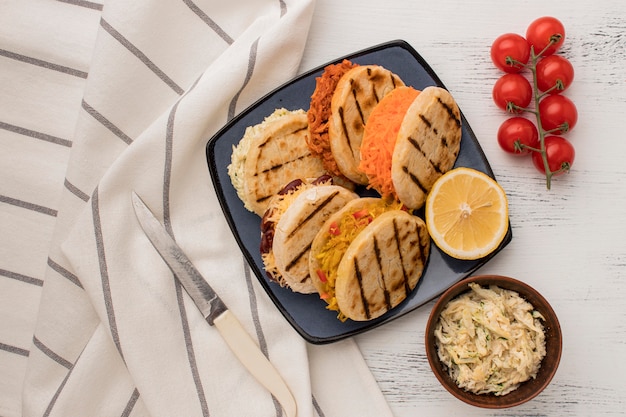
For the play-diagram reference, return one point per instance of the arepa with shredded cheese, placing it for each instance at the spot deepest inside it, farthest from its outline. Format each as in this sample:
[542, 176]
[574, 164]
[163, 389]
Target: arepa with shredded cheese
[271, 154]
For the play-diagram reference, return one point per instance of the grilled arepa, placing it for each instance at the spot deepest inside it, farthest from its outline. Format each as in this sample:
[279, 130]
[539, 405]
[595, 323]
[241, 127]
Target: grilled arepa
[382, 265]
[357, 93]
[297, 227]
[334, 238]
[428, 143]
[270, 155]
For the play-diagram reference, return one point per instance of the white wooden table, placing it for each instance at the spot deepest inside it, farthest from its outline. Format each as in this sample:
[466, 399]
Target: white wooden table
[568, 242]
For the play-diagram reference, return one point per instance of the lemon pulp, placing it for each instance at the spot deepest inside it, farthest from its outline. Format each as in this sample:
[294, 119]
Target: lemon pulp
[467, 213]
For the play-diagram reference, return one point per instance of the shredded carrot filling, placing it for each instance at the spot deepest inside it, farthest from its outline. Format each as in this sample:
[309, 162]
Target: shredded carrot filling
[379, 138]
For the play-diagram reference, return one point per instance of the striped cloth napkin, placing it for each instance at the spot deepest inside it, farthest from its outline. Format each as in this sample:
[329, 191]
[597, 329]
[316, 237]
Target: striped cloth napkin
[99, 99]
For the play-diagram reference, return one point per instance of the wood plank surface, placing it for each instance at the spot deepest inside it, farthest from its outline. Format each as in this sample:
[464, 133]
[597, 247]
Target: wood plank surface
[569, 241]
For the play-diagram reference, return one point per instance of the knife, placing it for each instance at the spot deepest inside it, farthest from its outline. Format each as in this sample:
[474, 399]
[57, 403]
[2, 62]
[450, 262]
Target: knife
[213, 308]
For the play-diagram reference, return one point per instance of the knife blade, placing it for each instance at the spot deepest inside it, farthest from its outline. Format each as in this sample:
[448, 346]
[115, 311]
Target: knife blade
[213, 308]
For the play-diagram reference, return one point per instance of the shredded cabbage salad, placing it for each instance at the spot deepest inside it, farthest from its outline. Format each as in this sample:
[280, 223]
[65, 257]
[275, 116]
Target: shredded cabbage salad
[491, 340]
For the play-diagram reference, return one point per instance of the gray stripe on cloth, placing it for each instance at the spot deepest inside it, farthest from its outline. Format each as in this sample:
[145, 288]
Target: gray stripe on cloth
[104, 273]
[142, 57]
[317, 407]
[55, 397]
[129, 406]
[51, 354]
[210, 22]
[28, 206]
[251, 62]
[254, 311]
[131, 403]
[106, 123]
[283, 8]
[167, 174]
[36, 135]
[83, 3]
[14, 349]
[64, 273]
[23, 278]
[191, 355]
[76, 191]
[167, 169]
[167, 166]
[44, 64]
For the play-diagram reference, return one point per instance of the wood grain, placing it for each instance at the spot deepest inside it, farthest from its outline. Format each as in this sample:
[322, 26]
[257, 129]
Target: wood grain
[568, 242]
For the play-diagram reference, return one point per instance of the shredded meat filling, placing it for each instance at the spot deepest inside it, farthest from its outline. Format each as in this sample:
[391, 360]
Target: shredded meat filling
[319, 113]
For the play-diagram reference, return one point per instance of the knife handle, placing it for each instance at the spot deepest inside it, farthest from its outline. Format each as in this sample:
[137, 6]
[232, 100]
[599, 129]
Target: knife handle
[250, 355]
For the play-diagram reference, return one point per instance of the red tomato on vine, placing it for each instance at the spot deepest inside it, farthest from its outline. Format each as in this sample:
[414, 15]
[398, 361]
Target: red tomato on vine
[560, 155]
[558, 114]
[510, 52]
[555, 114]
[544, 30]
[512, 92]
[517, 134]
[554, 74]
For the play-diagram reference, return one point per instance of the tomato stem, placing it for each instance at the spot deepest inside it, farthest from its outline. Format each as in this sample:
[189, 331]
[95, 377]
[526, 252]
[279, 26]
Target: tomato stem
[521, 146]
[512, 62]
[537, 96]
[565, 166]
[555, 38]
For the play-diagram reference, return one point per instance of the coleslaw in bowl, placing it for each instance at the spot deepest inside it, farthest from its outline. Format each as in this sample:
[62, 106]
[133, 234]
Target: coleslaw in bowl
[493, 341]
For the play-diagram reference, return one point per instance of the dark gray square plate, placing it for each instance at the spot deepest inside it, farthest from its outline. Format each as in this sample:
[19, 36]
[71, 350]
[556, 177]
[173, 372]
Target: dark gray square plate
[307, 313]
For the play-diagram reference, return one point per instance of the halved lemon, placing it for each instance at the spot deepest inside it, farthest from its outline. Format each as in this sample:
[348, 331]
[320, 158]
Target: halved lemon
[467, 213]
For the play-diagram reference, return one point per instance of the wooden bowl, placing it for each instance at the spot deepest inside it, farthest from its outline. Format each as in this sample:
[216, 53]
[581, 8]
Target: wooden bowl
[527, 390]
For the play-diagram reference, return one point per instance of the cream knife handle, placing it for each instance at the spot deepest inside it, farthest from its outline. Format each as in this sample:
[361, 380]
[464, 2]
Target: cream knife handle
[250, 355]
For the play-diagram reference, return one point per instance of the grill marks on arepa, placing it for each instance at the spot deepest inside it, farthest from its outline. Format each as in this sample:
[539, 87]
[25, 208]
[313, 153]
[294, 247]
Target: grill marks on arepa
[269, 141]
[428, 144]
[297, 227]
[279, 155]
[365, 96]
[453, 112]
[310, 220]
[385, 262]
[356, 95]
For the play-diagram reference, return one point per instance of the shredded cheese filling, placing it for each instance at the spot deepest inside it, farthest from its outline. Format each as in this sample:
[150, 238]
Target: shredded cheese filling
[491, 340]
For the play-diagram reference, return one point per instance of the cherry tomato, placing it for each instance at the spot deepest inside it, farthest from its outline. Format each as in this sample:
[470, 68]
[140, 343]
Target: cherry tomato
[512, 92]
[517, 131]
[554, 73]
[509, 52]
[558, 114]
[560, 153]
[542, 31]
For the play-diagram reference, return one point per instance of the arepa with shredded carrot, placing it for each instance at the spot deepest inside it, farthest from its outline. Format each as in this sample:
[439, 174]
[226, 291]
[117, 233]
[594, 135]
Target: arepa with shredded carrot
[357, 93]
[379, 138]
